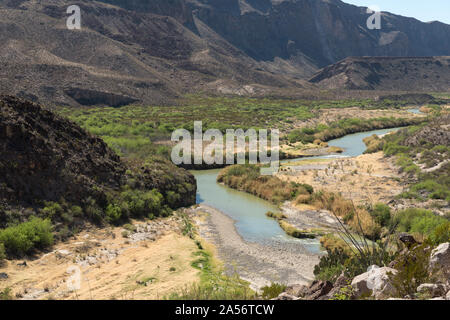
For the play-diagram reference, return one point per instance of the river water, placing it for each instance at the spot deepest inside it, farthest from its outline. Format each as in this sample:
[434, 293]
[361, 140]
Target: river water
[249, 211]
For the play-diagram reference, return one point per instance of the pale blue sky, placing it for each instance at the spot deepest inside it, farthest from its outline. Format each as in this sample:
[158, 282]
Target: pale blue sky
[424, 10]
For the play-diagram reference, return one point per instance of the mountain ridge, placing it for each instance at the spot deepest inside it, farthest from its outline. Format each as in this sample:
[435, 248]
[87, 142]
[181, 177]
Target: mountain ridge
[383, 73]
[153, 52]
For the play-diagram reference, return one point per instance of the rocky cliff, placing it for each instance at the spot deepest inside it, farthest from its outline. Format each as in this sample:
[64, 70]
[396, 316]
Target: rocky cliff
[47, 158]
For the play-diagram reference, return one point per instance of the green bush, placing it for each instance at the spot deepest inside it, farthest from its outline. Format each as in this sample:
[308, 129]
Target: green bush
[436, 190]
[272, 291]
[143, 203]
[26, 237]
[52, 210]
[113, 213]
[173, 198]
[423, 222]
[331, 265]
[412, 271]
[381, 213]
[93, 211]
[441, 234]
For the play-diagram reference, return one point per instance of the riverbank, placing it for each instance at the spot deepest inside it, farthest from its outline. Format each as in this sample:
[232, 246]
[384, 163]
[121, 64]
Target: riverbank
[367, 178]
[259, 264]
[310, 138]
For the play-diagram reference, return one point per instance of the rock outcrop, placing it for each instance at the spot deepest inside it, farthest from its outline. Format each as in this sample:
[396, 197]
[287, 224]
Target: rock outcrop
[440, 260]
[375, 283]
[45, 157]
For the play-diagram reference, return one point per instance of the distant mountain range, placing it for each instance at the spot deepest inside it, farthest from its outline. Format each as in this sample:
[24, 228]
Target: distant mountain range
[151, 51]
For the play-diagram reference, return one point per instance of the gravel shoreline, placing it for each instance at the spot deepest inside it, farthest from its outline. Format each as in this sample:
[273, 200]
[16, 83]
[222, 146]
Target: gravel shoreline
[259, 264]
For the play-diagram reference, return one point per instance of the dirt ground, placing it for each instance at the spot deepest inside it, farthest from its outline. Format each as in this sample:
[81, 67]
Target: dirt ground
[150, 263]
[366, 178]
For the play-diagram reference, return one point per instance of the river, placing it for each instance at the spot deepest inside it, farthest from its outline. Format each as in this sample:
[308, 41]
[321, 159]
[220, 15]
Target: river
[249, 211]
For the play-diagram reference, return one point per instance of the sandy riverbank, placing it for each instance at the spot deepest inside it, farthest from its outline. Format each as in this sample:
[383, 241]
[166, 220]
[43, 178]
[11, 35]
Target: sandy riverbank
[366, 178]
[259, 264]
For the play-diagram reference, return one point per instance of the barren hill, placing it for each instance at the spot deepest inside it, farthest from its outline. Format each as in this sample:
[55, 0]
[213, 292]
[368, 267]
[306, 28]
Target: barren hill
[152, 51]
[387, 73]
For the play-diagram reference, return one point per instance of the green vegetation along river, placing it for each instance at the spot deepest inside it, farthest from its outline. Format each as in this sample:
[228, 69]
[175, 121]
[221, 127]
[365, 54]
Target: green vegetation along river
[248, 211]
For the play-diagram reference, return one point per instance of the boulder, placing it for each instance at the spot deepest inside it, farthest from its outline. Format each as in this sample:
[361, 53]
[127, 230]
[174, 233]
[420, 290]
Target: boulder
[432, 289]
[3, 275]
[440, 260]
[447, 296]
[375, 282]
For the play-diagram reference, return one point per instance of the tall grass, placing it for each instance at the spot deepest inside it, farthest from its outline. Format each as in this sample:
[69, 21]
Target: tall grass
[249, 179]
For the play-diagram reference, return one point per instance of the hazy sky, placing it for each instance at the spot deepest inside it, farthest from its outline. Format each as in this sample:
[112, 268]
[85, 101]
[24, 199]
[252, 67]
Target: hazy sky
[424, 10]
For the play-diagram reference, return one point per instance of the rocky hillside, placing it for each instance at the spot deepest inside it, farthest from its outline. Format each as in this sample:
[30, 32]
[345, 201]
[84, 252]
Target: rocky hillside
[154, 51]
[45, 158]
[317, 32]
[387, 73]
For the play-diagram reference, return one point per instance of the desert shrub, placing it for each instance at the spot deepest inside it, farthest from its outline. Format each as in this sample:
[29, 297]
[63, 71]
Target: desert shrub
[2, 253]
[6, 294]
[113, 213]
[381, 213]
[424, 223]
[93, 211]
[143, 203]
[52, 210]
[76, 211]
[26, 237]
[331, 265]
[172, 198]
[435, 189]
[360, 253]
[344, 293]
[358, 219]
[392, 148]
[412, 270]
[441, 234]
[272, 291]
[331, 242]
